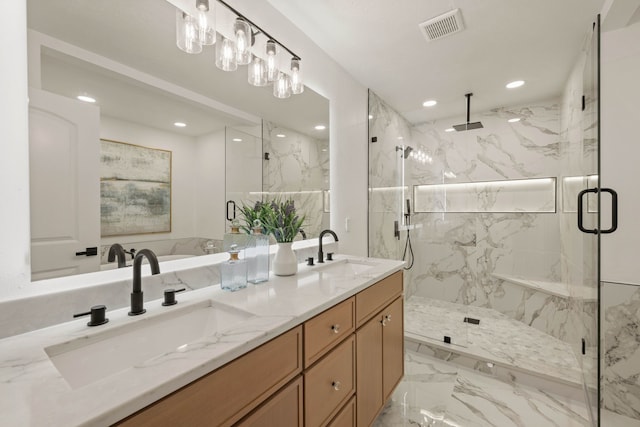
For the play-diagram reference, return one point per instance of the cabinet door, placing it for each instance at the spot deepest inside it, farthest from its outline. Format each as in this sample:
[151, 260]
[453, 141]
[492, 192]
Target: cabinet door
[392, 347]
[284, 409]
[347, 415]
[369, 371]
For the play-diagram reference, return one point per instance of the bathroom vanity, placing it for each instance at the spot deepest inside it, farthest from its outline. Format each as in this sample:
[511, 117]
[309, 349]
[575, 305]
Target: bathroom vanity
[323, 347]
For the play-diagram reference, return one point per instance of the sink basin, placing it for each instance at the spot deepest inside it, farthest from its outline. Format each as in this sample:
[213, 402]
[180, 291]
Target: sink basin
[91, 358]
[346, 268]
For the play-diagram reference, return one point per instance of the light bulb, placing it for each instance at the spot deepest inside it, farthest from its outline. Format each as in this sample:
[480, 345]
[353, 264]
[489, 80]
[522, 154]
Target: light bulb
[272, 69]
[296, 77]
[206, 21]
[187, 33]
[282, 86]
[226, 54]
[257, 72]
[242, 31]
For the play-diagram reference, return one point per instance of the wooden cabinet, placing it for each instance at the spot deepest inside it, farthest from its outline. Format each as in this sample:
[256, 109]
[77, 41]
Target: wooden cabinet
[347, 416]
[224, 396]
[380, 346]
[337, 369]
[327, 329]
[329, 384]
[284, 409]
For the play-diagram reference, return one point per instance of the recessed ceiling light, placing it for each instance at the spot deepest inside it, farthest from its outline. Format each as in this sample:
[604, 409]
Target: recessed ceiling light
[429, 103]
[281, 135]
[515, 84]
[400, 137]
[324, 150]
[85, 98]
[321, 127]
[449, 130]
[516, 119]
[179, 124]
[237, 139]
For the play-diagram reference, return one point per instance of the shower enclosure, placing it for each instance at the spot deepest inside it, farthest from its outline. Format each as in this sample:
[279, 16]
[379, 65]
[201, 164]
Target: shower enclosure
[501, 272]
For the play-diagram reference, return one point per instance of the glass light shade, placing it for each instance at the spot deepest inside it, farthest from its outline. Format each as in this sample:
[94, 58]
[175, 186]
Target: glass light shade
[257, 72]
[187, 33]
[282, 86]
[206, 19]
[226, 54]
[242, 31]
[272, 69]
[296, 77]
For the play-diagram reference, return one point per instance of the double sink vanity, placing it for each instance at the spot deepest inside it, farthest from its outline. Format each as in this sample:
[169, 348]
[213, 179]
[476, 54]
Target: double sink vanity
[322, 347]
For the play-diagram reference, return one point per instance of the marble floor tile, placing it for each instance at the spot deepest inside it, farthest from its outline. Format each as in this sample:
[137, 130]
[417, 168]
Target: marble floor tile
[611, 419]
[498, 338]
[436, 393]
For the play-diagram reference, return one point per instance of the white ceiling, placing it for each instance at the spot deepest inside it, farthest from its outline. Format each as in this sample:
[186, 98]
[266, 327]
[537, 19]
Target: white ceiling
[380, 44]
[141, 34]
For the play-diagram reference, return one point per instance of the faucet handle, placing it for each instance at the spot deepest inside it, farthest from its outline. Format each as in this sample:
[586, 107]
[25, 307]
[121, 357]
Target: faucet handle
[330, 256]
[170, 296]
[98, 315]
[310, 261]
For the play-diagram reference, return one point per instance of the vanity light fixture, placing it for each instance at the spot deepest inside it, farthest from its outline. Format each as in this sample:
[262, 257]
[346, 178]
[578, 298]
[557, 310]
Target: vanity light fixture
[296, 77]
[281, 86]
[429, 103]
[237, 139]
[85, 98]
[195, 29]
[180, 124]
[449, 130]
[187, 33]
[514, 120]
[320, 127]
[515, 84]
[281, 135]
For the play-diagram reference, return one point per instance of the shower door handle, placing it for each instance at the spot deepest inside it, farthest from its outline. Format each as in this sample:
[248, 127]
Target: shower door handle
[580, 218]
[231, 216]
[614, 210]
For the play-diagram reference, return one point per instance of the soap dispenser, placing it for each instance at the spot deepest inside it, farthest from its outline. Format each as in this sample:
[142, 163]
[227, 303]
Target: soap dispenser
[257, 255]
[233, 272]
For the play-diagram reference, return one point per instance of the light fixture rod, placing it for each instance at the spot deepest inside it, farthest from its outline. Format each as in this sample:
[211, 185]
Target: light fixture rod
[253, 24]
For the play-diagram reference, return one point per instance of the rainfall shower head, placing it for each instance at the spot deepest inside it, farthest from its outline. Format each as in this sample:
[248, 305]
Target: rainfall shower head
[468, 126]
[405, 151]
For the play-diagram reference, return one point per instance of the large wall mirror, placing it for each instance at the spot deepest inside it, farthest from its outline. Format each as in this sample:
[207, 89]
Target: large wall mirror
[124, 55]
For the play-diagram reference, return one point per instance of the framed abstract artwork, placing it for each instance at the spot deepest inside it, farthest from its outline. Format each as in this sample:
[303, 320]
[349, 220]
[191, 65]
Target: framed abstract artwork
[135, 189]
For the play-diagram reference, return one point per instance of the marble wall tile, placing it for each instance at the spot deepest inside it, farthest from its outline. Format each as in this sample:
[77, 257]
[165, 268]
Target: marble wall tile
[621, 379]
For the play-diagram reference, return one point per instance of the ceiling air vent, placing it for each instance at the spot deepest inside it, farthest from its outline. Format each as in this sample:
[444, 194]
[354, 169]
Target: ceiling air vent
[443, 25]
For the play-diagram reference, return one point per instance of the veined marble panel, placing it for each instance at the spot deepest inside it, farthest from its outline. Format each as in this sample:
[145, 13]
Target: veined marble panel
[621, 384]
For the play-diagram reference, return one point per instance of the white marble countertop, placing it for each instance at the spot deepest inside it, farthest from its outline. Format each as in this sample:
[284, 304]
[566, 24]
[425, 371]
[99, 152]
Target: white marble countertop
[34, 393]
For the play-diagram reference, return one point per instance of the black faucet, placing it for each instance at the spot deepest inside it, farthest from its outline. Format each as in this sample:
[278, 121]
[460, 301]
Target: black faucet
[137, 303]
[322, 233]
[116, 250]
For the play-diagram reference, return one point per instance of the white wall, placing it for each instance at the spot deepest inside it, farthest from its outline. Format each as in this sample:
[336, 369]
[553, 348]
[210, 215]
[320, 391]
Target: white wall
[15, 268]
[620, 148]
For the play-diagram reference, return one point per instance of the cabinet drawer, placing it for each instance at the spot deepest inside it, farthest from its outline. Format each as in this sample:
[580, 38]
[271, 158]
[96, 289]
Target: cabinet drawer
[347, 415]
[283, 409]
[224, 396]
[329, 384]
[376, 297]
[327, 329]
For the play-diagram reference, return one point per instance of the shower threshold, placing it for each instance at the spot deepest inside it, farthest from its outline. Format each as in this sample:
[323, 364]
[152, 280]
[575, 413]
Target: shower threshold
[497, 345]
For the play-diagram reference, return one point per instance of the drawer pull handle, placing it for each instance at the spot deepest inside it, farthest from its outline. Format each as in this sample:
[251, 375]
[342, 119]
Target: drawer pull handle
[388, 317]
[335, 328]
[336, 385]
[384, 322]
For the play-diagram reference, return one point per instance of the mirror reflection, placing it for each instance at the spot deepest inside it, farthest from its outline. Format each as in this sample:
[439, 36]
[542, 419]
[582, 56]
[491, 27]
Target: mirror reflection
[151, 98]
